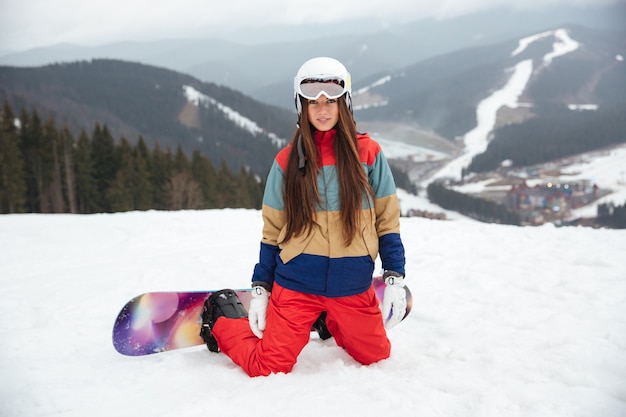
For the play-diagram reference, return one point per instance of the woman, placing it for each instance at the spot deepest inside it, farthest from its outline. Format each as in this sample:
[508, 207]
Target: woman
[329, 209]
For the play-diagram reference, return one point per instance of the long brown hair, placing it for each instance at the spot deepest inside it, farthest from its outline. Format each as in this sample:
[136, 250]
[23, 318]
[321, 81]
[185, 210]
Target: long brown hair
[301, 195]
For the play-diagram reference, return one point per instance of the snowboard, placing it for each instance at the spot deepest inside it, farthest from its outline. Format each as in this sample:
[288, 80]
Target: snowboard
[161, 321]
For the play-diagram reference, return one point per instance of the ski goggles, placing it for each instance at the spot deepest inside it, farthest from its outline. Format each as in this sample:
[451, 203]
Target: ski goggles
[312, 89]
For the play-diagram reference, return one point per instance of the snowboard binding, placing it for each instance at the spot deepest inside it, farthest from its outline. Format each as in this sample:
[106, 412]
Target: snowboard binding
[223, 303]
[320, 327]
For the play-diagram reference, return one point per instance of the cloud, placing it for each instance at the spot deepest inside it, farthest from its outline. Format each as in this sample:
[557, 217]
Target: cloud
[30, 23]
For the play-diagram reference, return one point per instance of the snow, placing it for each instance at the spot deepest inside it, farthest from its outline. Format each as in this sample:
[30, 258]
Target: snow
[394, 149]
[507, 321]
[477, 139]
[410, 201]
[524, 42]
[563, 45]
[367, 88]
[381, 103]
[582, 106]
[607, 169]
[376, 83]
[198, 99]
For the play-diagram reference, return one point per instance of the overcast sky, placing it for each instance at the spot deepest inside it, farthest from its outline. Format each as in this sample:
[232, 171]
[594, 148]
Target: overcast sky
[26, 24]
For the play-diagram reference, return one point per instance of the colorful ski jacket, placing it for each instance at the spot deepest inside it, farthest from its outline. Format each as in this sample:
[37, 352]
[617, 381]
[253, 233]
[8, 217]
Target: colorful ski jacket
[319, 263]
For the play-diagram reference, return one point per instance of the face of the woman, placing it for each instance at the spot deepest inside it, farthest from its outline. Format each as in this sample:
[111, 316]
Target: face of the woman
[323, 113]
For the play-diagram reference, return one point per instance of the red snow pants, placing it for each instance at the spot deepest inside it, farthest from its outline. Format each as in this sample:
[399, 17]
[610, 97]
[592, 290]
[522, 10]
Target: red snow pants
[354, 321]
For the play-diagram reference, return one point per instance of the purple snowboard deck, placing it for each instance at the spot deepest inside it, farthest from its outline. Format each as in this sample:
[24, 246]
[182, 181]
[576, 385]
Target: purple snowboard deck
[161, 321]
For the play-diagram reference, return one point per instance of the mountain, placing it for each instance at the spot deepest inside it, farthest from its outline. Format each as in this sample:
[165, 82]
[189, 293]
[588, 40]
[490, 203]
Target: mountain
[161, 105]
[571, 100]
[546, 95]
[261, 62]
[442, 93]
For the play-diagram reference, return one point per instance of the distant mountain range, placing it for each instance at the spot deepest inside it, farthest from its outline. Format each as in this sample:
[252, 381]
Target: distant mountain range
[442, 93]
[438, 94]
[160, 105]
[261, 62]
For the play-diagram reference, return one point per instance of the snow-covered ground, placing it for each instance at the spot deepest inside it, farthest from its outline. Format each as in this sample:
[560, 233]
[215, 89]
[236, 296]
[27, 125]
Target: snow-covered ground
[394, 149]
[607, 169]
[507, 321]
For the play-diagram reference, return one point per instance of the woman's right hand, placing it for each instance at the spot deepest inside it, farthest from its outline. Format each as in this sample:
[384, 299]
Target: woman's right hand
[394, 299]
[258, 310]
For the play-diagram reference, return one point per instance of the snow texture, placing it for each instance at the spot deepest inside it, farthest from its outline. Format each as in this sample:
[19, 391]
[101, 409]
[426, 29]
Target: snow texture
[507, 321]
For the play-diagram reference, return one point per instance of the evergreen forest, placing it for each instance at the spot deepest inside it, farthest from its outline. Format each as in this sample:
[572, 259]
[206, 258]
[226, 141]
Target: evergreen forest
[474, 207]
[44, 169]
[542, 139]
[611, 215]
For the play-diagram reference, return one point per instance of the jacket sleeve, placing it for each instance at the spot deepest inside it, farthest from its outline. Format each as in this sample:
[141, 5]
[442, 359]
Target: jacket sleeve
[387, 208]
[273, 222]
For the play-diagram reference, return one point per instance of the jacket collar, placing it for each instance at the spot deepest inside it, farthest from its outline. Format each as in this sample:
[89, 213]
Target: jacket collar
[322, 137]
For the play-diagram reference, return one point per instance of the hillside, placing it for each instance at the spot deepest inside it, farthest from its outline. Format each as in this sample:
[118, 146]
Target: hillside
[519, 103]
[442, 93]
[161, 105]
[541, 98]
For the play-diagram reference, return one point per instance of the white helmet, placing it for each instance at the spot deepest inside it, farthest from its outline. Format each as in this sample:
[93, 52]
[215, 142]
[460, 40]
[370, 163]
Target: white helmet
[319, 76]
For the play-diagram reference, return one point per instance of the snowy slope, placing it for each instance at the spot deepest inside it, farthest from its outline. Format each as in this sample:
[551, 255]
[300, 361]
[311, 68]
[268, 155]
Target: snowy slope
[477, 139]
[507, 321]
[605, 168]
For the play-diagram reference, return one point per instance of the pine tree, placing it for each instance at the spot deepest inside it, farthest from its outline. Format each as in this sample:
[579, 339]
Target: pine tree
[204, 173]
[142, 149]
[105, 165]
[67, 152]
[131, 188]
[226, 187]
[31, 134]
[255, 188]
[12, 184]
[85, 183]
[119, 193]
[142, 182]
[181, 162]
[53, 188]
[243, 198]
[160, 168]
